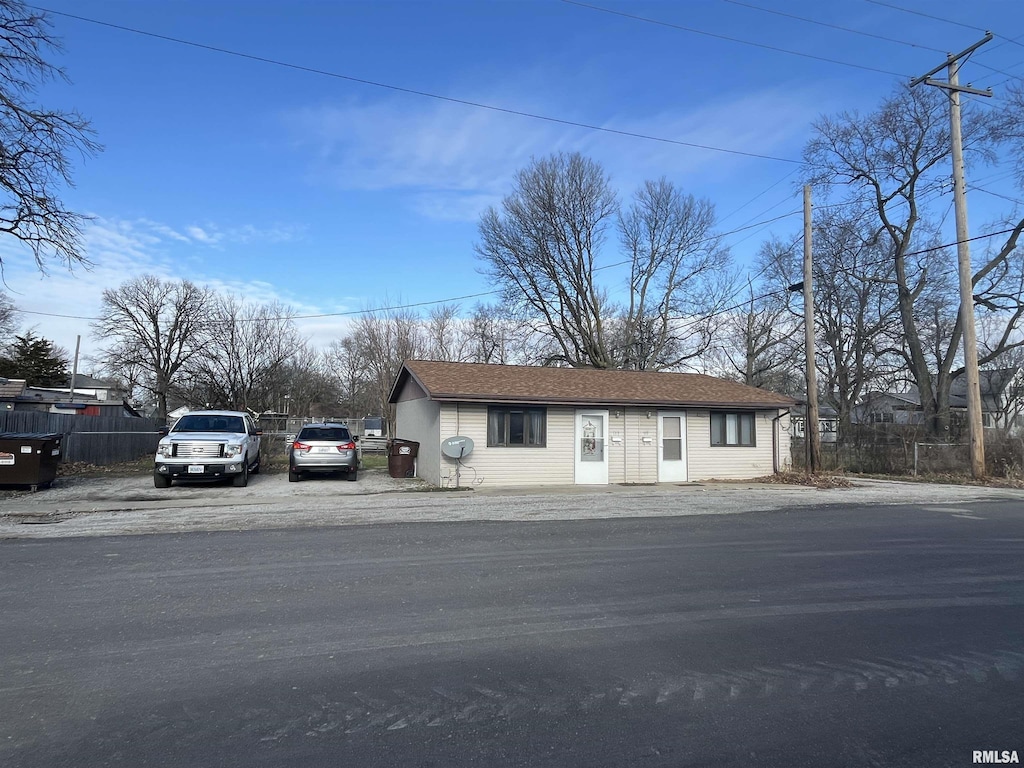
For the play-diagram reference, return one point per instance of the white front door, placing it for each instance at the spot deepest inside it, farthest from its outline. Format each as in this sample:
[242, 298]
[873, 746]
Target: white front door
[591, 447]
[671, 446]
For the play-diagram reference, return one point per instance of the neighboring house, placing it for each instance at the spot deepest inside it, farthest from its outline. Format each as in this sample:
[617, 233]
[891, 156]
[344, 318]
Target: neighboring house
[888, 408]
[10, 391]
[828, 423]
[15, 396]
[1002, 397]
[101, 389]
[558, 426]
[1002, 402]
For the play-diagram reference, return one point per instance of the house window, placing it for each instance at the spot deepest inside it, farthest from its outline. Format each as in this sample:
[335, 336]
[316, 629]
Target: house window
[516, 426]
[880, 417]
[732, 429]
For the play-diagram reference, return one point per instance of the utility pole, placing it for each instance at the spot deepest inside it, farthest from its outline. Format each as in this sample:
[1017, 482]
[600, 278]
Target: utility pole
[963, 248]
[812, 438]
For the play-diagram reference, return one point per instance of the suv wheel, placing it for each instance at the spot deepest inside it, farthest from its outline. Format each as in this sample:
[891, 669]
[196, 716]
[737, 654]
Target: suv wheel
[293, 476]
[351, 475]
[242, 478]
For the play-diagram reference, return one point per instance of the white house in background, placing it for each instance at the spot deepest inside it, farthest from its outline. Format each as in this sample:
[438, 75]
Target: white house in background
[558, 426]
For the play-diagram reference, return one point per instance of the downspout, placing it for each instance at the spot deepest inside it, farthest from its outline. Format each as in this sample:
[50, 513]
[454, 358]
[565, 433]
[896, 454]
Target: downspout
[775, 440]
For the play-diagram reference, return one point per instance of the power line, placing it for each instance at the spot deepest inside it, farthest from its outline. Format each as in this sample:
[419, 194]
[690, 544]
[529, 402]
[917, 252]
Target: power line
[414, 91]
[733, 39]
[925, 15]
[759, 195]
[862, 33]
[833, 26]
[492, 293]
[421, 303]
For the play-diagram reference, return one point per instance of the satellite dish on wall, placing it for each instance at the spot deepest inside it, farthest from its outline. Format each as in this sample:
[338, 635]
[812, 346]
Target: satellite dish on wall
[457, 447]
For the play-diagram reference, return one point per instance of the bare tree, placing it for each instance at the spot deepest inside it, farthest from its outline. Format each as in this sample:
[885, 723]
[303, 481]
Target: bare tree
[312, 388]
[895, 162]
[347, 364]
[9, 319]
[855, 306]
[244, 364]
[763, 339]
[445, 335]
[156, 325]
[675, 285]
[541, 250]
[386, 339]
[36, 143]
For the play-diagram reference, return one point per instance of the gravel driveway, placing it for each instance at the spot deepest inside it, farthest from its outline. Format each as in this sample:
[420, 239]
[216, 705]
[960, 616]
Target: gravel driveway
[131, 505]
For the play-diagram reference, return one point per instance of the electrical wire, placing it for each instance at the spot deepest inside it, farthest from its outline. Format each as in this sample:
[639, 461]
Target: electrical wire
[925, 15]
[414, 91]
[733, 39]
[421, 303]
[833, 26]
[866, 34]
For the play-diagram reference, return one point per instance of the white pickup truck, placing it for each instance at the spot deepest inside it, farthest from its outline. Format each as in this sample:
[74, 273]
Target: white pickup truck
[209, 445]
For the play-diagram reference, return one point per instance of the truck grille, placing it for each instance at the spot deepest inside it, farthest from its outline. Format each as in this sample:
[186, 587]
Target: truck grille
[198, 450]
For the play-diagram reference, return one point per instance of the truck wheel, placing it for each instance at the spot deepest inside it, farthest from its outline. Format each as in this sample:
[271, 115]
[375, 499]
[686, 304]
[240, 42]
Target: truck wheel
[256, 466]
[242, 478]
[161, 481]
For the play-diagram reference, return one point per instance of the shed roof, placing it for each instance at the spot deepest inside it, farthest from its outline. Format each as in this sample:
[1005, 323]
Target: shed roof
[479, 382]
[10, 388]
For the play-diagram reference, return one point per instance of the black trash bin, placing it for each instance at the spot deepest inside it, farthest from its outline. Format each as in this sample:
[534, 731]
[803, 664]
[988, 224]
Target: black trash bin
[402, 457]
[29, 458]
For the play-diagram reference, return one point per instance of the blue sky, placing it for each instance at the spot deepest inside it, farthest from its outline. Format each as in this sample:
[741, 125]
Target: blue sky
[334, 196]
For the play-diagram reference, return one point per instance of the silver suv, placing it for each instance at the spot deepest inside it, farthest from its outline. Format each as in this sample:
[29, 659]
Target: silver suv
[209, 445]
[323, 448]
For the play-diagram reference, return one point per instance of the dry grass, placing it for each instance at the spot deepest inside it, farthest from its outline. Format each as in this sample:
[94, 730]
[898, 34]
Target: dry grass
[799, 478]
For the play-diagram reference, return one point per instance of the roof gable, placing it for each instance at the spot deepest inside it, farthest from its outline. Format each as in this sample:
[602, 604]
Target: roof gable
[482, 382]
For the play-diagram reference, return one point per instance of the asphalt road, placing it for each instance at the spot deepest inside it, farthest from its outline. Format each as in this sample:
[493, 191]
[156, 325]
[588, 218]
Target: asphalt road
[874, 636]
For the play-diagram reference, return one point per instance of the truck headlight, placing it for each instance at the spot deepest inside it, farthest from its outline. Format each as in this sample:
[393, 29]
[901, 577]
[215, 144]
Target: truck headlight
[164, 450]
[232, 449]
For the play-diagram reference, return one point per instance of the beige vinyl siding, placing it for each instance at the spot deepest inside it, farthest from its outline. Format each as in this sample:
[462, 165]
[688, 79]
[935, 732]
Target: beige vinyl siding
[507, 466]
[705, 461]
[419, 420]
[785, 446]
[617, 447]
[632, 459]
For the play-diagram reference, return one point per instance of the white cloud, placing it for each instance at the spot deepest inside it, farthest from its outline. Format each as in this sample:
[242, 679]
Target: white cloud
[60, 305]
[202, 236]
[459, 159]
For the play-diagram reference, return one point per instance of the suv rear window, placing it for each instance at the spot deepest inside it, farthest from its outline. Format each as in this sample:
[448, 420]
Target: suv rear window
[332, 434]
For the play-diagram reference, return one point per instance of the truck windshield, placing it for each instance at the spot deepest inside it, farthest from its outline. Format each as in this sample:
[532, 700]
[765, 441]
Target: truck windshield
[208, 423]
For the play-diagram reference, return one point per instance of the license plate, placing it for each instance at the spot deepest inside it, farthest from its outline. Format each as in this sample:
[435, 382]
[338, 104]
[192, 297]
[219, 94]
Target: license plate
[325, 450]
[196, 469]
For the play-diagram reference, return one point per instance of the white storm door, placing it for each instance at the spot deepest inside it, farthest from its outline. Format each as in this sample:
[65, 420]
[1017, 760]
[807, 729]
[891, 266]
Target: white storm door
[671, 446]
[591, 447]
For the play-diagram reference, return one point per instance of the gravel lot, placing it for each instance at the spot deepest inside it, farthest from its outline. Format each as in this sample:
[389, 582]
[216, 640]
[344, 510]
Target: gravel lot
[103, 506]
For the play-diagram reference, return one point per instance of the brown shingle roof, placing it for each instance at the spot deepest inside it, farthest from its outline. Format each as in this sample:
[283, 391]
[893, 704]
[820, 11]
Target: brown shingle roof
[520, 383]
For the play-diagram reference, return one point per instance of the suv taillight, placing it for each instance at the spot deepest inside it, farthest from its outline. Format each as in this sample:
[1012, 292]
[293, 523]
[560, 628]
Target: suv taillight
[347, 446]
[300, 446]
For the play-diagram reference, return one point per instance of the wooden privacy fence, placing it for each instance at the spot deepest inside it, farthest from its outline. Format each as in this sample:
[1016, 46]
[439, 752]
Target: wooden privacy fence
[97, 440]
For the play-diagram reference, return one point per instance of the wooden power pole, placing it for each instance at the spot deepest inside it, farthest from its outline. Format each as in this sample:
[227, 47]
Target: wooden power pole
[812, 437]
[963, 248]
